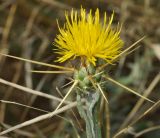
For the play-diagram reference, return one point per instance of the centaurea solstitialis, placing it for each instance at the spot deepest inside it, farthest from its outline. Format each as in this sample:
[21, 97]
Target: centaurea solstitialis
[94, 43]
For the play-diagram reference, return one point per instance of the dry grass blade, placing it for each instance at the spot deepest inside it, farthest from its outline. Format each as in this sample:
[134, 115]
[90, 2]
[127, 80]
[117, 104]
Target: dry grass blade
[7, 27]
[31, 107]
[15, 103]
[156, 105]
[128, 89]
[18, 131]
[57, 3]
[140, 102]
[15, 79]
[39, 118]
[147, 131]
[37, 62]
[108, 123]
[51, 72]
[6, 32]
[32, 98]
[28, 90]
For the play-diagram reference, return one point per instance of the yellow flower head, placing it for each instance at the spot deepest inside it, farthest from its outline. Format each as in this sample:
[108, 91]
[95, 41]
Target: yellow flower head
[85, 36]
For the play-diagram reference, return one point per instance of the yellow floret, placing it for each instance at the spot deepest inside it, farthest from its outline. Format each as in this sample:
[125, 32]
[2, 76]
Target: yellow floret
[83, 35]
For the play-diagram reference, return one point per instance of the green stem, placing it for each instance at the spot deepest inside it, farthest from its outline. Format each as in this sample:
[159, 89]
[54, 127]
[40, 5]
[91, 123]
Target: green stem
[89, 112]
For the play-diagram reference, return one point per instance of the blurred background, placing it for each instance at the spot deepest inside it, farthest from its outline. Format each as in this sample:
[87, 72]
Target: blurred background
[28, 28]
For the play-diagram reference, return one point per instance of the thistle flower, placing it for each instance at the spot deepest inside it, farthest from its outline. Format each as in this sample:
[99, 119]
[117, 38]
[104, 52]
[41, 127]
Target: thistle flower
[83, 35]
